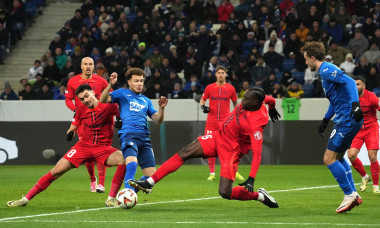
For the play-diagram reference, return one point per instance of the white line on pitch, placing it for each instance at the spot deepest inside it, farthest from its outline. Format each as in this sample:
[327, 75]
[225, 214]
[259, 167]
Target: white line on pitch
[162, 202]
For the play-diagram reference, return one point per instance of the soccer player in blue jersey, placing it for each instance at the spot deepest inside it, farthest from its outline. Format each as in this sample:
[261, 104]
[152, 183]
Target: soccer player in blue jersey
[342, 93]
[134, 134]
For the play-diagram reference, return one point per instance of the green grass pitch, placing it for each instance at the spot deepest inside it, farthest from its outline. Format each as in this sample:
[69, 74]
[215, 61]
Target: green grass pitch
[307, 196]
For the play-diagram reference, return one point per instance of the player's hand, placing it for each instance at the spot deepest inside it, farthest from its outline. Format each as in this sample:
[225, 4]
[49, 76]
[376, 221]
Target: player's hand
[162, 102]
[70, 136]
[118, 123]
[274, 115]
[205, 109]
[248, 184]
[322, 127]
[113, 78]
[356, 112]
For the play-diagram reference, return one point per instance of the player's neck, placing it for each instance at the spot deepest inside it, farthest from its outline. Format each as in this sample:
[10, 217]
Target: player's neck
[318, 65]
[360, 95]
[220, 83]
[96, 103]
[84, 76]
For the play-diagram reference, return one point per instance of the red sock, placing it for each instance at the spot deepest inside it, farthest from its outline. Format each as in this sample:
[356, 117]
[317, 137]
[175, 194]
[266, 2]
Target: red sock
[117, 180]
[375, 172]
[41, 185]
[211, 164]
[358, 165]
[101, 172]
[239, 193]
[90, 170]
[169, 166]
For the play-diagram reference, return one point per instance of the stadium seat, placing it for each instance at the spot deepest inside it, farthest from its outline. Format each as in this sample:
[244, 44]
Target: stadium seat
[131, 17]
[308, 90]
[150, 50]
[299, 76]
[279, 76]
[30, 9]
[288, 64]
[40, 2]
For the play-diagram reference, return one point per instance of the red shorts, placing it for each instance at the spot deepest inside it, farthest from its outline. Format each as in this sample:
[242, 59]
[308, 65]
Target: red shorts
[229, 158]
[211, 126]
[369, 136]
[84, 152]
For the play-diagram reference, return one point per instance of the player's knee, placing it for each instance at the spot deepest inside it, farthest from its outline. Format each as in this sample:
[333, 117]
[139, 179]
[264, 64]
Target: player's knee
[185, 153]
[372, 158]
[351, 156]
[225, 193]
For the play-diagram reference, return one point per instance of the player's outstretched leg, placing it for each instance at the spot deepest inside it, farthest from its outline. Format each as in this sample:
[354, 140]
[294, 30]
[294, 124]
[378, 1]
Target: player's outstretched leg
[102, 174]
[211, 166]
[142, 185]
[18, 203]
[90, 170]
[117, 181]
[375, 176]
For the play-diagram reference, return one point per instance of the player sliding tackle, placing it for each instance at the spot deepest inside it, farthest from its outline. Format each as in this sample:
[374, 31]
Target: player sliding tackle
[241, 131]
[94, 145]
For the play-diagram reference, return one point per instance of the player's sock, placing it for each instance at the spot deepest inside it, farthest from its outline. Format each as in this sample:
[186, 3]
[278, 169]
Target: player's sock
[211, 165]
[41, 185]
[130, 173]
[347, 167]
[90, 170]
[117, 180]
[339, 173]
[101, 172]
[169, 166]
[375, 172]
[358, 165]
[239, 193]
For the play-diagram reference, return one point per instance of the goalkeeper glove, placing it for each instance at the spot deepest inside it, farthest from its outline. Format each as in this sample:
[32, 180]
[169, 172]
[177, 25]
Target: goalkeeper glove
[70, 136]
[356, 111]
[118, 122]
[274, 115]
[322, 127]
[205, 109]
[248, 184]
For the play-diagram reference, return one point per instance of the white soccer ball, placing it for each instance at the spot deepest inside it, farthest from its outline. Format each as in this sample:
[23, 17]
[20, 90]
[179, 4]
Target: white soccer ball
[126, 198]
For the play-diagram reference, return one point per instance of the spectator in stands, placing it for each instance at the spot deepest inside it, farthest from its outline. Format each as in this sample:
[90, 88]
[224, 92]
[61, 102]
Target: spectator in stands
[156, 78]
[168, 83]
[342, 18]
[337, 52]
[142, 53]
[244, 86]
[177, 92]
[226, 36]
[194, 90]
[156, 58]
[52, 72]
[249, 44]
[165, 68]
[76, 22]
[125, 36]
[148, 68]
[260, 72]
[278, 45]
[268, 28]
[177, 7]
[329, 59]
[70, 45]
[60, 58]
[353, 26]
[335, 31]
[65, 32]
[209, 12]
[372, 79]
[295, 90]
[377, 65]
[268, 83]
[164, 8]
[236, 44]
[241, 31]
[27, 93]
[259, 33]
[37, 68]
[287, 79]
[223, 61]
[67, 68]
[156, 91]
[208, 78]
[326, 39]
[18, 18]
[372, 54]
[358, 44]
[45, 93]
[146, 34]
[193, 10]
[242, 71]
[37, 85]
[292, 19]
[316, 31]
[310, 76]
[76, 59]
[4, 35]
[273, 59]
[86, 46]
[348, 66]
[108, 57]
[91, 19]
[253, 56]
[56, 43]
[369, 28]
[277, 90]
[193, 79]
[364, 8]
[60, 93]
[302, 32]
[202, 40]
[285, 7]
[8, 93]
[165, 45]
[224, 10]
[292, 46]
[192, 68]
[23, 82]
[363, 67]
[66, 79]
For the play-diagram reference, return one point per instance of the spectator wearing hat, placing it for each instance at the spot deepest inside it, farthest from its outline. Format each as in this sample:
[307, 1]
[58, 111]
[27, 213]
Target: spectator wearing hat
[37, 85]
[372, 54]
[249, 44]
[23, 82]
[142, 53]
[182, 44]
[273, 59]
[335, 31]
[277, 90]
[65, 32]
[76, 22]
[37, 68]
[358, 44]
[8, 93]
[278, 45]
[55, 43]
[260, 72]
[342, 18]
[294, 90]
[27, 93]
[337, 52]
[108, 57]
[348, 65]
[242, 71]
[287, 79]
[351, 27]
[224, 10]
[329, 59]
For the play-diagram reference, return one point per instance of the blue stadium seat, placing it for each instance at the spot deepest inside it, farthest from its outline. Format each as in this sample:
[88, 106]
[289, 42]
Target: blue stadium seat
[288, 64]
[299, 76]
[150, 50]
[279, 76]
[131, 17]
[30, 8]
[40, 2]
[308, 90]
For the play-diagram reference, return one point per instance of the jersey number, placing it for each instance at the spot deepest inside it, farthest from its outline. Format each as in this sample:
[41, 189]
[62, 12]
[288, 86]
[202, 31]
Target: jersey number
[71, 153]
[291, 108]
[206, 137]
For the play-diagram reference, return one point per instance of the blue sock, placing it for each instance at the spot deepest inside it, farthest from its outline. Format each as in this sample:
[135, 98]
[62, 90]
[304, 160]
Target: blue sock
[141, 178]
[347, 167]
[339, 172]
[130, 173]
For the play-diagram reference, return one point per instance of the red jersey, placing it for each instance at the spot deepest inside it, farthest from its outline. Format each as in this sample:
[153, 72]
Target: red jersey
[97, 123]
[219, 100]
[369, 104]
[97, 83]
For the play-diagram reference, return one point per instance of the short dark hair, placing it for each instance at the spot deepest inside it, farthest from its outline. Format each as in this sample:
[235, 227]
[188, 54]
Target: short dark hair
[134, 71]
[361, 78]
[82, 88]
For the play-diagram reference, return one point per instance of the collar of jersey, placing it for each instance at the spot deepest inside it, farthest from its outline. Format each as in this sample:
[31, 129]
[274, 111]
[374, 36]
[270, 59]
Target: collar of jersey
[97, 108]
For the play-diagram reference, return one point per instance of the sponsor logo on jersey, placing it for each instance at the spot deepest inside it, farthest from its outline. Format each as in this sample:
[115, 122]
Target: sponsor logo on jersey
[134, 106]
[258, 135]
[219, 98]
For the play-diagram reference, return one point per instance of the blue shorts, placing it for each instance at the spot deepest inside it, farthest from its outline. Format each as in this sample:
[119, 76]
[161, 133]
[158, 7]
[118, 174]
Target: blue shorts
[138, 145]
[341, 136]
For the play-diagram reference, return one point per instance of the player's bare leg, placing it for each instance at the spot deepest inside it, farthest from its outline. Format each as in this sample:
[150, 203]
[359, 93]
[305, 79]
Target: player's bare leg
[352, 154]
[193, 150]
[59, 169]
[372, 154]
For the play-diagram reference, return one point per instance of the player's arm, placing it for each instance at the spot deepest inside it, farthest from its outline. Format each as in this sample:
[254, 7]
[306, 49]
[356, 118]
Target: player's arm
[69, 96]
[105, 97]
[71, 132]
[273, 113]
[158, 117]
[204, 108]
[323, 125]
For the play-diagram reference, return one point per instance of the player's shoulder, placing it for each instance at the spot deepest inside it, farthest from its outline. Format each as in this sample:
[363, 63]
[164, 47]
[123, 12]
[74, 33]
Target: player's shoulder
[327, 68]
[229, 86]
[99, 78]
[370, 94]
[210, 86]
[74, 79]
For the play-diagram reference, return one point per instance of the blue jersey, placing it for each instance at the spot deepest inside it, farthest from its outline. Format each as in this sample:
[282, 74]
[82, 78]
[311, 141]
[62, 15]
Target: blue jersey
[341, 91]
[134, 109]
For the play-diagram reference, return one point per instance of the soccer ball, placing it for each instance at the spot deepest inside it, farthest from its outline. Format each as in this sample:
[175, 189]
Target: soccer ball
[126, 198]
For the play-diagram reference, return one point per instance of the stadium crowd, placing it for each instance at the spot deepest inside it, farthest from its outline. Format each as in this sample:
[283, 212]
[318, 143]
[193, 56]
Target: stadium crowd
[179, 43]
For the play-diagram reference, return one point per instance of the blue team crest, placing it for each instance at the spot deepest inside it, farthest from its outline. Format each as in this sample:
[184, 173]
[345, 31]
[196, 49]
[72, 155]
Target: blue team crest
[134, 106]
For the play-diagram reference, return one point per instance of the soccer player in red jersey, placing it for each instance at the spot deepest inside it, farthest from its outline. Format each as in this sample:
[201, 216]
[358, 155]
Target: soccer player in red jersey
[98, 84]
[219, 94]
[368, 134]
[237, 134]
[95, 145]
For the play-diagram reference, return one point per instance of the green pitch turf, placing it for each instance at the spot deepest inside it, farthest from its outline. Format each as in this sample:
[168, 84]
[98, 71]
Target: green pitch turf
[307, 196]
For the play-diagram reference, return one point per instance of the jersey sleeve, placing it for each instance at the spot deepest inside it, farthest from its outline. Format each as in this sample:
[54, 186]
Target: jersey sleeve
[115, 96]
[69, 96]
[233, 94]
[330, 112]
[270, 101]
[256, 146]
[350, 86]
[374, 101]
[151, 109]
[206, 93]
[77, 118]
